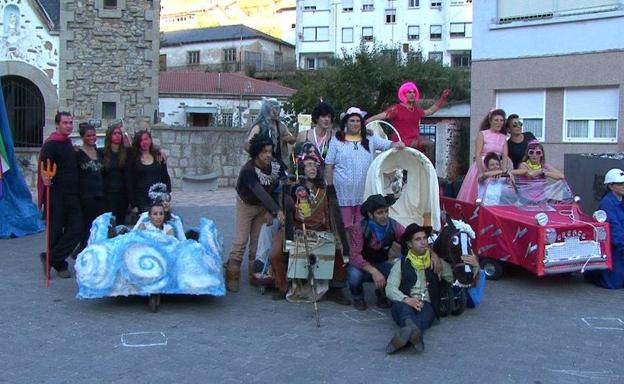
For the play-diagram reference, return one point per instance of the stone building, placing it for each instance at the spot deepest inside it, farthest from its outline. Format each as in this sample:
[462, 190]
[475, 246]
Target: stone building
[97, 59]
[109, 60]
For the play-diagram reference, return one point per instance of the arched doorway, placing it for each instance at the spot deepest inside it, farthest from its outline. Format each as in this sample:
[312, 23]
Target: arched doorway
[26, 110]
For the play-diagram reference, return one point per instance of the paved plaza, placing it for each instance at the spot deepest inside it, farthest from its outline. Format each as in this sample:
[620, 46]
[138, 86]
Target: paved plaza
[528, 330]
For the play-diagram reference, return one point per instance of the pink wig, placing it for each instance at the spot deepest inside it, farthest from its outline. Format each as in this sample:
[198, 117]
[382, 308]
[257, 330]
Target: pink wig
[406, 87]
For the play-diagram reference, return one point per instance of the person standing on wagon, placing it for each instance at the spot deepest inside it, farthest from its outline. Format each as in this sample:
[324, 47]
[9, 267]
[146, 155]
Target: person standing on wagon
[65, 226]
[257, 203]
[405, 116]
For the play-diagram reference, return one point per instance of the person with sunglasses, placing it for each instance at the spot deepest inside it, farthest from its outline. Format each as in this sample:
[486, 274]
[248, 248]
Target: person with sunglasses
[611, 203]
[518, 140]
[534, 164]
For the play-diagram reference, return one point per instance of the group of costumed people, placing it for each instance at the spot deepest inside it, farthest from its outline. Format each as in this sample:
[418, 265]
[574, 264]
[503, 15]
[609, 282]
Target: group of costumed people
[503, 150]
[76, 184]
[323, 192]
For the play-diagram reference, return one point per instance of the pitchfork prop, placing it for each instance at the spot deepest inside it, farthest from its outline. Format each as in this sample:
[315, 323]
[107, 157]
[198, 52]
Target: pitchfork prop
[48, 170]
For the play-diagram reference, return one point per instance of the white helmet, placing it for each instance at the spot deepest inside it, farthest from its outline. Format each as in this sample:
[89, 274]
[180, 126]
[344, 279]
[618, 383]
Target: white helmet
[614, 175]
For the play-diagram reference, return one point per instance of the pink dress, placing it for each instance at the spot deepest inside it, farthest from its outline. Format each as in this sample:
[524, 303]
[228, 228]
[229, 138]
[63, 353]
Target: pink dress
[492, 142]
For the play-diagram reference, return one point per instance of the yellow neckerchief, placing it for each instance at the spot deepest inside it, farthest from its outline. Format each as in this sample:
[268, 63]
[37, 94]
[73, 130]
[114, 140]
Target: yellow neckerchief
[419, 263]
[350, 137]
[533, 167]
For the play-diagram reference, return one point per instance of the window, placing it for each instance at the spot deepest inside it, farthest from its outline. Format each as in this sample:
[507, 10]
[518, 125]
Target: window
[392, 54]
[529, 105]
[513, 10]
[316, 34]
[461, 60]
[390, 16]
[367, 33]
[109, 110]
[227, 119]
[435, 32]
[309, 5]
[347, 35]
[278, 60]
[436, 56]
[413, 32]
[347, 5]
[162, 61]
[110, 4]
[229, 55]
[192, 57]
[253, 60]
[413, 3]
[436, 4]
[461, 30]
[310, 63]
[367, 5]
[590, 114]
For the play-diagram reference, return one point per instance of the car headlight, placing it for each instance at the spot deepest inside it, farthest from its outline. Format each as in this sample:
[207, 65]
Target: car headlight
[542, 219]
[551, 235]
[600, 233]
[600, 216]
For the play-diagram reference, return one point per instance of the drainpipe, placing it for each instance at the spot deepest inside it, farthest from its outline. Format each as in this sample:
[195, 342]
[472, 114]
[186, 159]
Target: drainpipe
[219, 81]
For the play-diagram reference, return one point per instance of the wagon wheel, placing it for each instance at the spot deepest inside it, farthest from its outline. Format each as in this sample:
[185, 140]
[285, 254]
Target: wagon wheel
[154, 302]
[493, 269]
[460, 302]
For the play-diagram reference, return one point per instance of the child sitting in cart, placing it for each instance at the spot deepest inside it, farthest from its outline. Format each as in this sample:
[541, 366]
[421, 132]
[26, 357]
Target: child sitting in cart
[493, 181]
[157, 221]
[158, 193]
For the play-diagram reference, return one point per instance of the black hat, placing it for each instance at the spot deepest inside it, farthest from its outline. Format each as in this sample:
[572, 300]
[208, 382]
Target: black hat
[375, 202]
[413, 229]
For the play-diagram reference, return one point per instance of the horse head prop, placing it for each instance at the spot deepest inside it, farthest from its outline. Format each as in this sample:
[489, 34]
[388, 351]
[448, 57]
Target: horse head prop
[453, 242]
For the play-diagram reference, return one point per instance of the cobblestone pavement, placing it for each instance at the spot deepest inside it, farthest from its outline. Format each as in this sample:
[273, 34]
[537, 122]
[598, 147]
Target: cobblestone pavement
[528, 330]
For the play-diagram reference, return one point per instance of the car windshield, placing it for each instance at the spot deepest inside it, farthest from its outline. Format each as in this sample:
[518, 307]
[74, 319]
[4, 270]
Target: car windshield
[525, 193]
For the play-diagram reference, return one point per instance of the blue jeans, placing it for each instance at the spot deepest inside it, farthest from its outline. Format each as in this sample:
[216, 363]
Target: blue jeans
[357, 277]
[422, 319]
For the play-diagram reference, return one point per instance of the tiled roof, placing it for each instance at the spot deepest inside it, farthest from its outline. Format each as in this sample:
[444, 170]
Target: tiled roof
[196, 82]
[52, 9]
[225, 32]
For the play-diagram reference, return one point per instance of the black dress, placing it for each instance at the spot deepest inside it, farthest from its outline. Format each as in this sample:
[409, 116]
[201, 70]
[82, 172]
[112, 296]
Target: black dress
[518, 150]
[140, 177]
[115, 192]
[91, 186]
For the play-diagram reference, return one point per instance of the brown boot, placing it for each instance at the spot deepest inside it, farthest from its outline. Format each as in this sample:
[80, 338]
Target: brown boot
[232, 277]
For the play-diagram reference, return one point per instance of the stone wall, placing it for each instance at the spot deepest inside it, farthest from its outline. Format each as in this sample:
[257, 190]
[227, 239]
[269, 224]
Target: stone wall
[200, 150]
[110, 56]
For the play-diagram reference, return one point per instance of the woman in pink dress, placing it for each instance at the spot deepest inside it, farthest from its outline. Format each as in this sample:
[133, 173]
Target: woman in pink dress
[491, 138]
[406, 115]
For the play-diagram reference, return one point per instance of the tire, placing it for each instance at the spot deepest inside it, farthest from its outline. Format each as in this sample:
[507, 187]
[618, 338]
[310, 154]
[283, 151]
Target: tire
[460, 301]
[154, 302]
[493, 269]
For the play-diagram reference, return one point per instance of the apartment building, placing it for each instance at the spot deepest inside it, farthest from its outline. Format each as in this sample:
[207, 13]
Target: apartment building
[429, 29]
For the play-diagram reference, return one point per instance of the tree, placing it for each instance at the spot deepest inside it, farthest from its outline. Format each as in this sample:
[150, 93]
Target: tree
[369, 79]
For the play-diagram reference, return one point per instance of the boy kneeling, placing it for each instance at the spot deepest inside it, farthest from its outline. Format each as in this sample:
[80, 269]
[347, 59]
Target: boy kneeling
[414, 289]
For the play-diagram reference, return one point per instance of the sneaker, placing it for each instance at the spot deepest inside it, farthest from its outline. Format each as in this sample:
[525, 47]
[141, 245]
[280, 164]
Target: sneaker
[337, 296]
[63, 273]
[360, 304]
